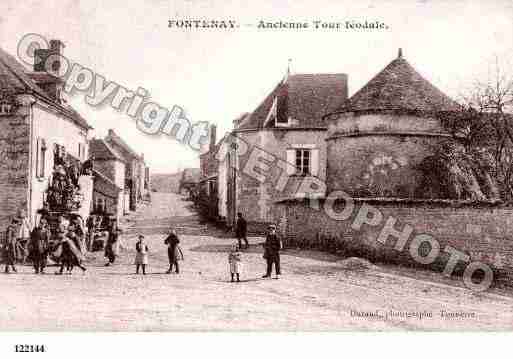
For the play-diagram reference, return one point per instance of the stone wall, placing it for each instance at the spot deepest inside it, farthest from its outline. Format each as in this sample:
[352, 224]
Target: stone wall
[379, 165]
[485, 233]
[14, 167]
[381, 154]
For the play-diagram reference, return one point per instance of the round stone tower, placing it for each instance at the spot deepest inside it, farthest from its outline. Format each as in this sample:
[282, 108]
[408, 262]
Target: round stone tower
[380, 143]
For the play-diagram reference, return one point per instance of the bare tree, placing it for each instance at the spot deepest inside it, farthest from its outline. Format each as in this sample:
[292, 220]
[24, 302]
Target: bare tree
[485, 127]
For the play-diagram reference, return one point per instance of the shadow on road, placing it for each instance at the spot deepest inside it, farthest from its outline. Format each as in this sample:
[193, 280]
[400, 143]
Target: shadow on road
[226, 248]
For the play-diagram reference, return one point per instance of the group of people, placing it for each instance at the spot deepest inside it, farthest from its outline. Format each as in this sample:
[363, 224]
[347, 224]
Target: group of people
[272, 247]
[68, 247]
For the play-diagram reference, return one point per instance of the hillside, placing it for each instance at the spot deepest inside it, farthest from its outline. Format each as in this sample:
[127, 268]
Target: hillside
[166, 182]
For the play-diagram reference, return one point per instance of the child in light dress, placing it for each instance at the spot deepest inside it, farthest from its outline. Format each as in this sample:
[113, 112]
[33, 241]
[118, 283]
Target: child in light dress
[235, 262]
[141, 255]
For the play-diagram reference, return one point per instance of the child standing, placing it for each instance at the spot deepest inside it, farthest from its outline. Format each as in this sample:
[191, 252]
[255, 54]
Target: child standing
[9, 248]
[235, 261]
[141, 257]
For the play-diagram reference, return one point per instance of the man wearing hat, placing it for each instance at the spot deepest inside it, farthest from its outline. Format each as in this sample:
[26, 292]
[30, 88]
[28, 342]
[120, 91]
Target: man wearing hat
[38, 246]
[272, 247]
[241, 230]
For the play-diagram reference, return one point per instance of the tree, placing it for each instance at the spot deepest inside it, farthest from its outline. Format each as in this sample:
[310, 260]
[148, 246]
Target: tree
[485, 127]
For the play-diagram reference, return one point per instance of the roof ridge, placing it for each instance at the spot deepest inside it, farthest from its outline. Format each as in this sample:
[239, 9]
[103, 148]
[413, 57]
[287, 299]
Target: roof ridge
[399, 86]
[28, 85]
[123, 144]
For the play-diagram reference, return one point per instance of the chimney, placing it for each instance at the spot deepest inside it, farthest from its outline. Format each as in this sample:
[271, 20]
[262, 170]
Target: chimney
[400, 53]
[213, 130]
[56, 48]
[48, 80]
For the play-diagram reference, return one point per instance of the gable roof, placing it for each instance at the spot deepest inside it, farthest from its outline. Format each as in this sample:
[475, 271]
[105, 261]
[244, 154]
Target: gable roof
[114, 137]
[15, 80]
[304, 98]
[102, 151]
[400, 87]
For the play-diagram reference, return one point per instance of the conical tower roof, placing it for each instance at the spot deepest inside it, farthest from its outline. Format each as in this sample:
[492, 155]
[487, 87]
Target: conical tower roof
[399, 87]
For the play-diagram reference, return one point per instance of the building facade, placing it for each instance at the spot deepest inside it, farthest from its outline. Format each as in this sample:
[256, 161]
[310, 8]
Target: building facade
[289, 126]
[38, 130]
[109, 179]
[135, 170]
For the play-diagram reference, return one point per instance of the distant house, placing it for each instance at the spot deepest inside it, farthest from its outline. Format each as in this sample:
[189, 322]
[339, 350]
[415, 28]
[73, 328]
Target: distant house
[106, 195]
[109, 169]
[189, 181]
[289, 125]
[208, 189]
[136, 174]
[39, 134]
[167, 183]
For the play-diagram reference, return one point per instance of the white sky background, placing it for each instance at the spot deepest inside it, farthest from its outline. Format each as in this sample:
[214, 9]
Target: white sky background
[216, 75]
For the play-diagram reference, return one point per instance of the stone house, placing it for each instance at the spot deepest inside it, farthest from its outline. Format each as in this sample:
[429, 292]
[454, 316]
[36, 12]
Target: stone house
[134, 170]
[36, 126]
[390, 153]
[387, 141]
[289, 125]
[109, 169]
[208, 189]
[189, 181]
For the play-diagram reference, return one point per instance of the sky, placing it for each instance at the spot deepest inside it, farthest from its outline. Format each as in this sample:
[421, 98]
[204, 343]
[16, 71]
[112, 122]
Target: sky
[217, 75]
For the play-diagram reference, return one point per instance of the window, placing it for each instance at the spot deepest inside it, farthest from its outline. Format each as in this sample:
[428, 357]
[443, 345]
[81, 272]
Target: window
[59, 154]
[40, 158]
[101, 204]
[81, 151]
[303, 160]
[303, 157]
[272, 115]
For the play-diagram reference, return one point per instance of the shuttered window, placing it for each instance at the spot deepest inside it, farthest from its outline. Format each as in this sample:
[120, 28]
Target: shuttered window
[40, 157]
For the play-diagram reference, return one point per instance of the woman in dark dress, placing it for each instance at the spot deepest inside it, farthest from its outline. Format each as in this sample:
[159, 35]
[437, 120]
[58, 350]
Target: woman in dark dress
[174, 252]
[112, 244]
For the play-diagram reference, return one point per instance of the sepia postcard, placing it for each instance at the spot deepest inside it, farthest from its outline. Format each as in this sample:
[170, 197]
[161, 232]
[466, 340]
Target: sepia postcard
[270, 166]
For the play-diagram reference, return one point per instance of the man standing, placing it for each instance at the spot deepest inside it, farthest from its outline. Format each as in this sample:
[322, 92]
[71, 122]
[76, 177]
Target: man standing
[272, 247]
[24, 230]
[9, 248]
[38, 246]
[241, 230]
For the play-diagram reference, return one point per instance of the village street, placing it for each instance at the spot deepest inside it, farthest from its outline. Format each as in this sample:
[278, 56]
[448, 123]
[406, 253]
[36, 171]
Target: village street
[316, 292]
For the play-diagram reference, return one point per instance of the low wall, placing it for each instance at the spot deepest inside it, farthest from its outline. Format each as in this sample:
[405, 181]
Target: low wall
[484, 233]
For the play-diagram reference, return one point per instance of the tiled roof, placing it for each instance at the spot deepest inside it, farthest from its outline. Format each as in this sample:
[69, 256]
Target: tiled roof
[108, 187]
[305, 98]
[14, 80]
[114, 137]
[102, 151]
[399, 87]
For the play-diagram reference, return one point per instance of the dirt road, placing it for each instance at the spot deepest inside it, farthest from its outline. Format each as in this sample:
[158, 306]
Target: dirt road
[316, 292]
